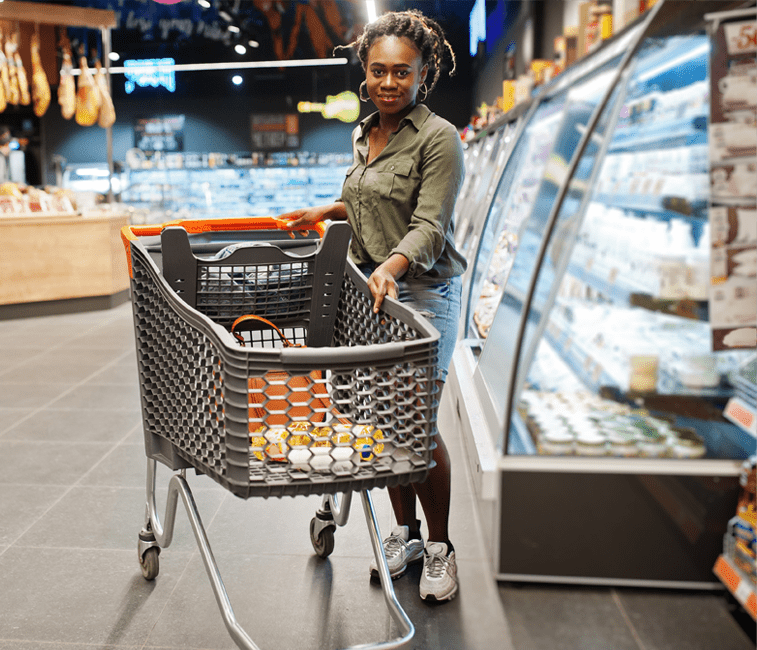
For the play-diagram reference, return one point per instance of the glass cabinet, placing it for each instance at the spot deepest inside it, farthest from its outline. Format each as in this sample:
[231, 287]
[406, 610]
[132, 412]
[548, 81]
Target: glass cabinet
[587, 384]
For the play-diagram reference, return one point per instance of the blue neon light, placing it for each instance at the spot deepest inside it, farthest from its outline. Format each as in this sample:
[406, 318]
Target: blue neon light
[150, 72]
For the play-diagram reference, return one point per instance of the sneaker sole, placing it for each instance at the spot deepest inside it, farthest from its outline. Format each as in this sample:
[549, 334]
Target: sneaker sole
[434, 599]
[395, 576]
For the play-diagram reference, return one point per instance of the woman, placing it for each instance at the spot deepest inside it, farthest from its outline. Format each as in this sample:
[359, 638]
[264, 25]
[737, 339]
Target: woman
[399, 196]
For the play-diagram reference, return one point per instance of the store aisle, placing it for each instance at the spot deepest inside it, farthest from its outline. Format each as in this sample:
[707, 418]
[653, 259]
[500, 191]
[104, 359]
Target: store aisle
[72, 474]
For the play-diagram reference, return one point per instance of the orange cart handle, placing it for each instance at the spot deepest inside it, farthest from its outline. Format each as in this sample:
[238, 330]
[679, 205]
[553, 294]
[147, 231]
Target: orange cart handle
[196, 226]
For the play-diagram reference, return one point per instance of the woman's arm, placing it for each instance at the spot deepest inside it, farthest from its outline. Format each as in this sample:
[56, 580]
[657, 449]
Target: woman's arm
[310, 216]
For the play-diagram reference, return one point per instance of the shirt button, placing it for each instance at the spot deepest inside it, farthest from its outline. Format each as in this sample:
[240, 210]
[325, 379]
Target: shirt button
[392, 167]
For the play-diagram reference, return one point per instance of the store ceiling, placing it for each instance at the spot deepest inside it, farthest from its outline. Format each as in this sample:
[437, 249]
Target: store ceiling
[206, 31]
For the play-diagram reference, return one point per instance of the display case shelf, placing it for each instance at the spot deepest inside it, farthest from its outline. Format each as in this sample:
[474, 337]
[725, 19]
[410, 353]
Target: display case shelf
[663, 207]
[686, 132]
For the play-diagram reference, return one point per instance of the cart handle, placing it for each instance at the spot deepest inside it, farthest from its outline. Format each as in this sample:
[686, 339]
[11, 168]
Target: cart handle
[130, 234]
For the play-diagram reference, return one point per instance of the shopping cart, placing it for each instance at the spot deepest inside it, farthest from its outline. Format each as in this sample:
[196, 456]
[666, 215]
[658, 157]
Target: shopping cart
[230, 410]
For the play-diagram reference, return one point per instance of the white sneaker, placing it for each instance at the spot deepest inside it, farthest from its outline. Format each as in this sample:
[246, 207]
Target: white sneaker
[439, 577]
[400, 551]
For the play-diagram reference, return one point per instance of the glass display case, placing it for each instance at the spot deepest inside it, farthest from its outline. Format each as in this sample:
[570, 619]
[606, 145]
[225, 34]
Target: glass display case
[202, 186]
[587, 385]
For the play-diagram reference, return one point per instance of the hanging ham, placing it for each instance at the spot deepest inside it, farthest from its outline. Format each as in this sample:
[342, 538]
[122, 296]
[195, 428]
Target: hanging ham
[107, 111]
[40, 86]
[14, 92]
[25, 97]
[67, 87]
[87, 96]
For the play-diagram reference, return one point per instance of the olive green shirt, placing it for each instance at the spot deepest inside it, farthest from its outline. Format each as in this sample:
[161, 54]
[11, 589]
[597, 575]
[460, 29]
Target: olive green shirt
[402, 202]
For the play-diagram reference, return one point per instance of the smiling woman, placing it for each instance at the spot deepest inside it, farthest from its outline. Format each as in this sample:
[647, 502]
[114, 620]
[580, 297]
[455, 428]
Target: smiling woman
[399, 195]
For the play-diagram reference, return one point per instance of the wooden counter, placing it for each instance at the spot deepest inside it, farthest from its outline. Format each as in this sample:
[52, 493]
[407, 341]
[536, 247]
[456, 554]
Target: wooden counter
[46, 259]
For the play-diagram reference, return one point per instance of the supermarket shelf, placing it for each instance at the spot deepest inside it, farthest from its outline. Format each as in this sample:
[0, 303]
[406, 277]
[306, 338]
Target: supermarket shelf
[737, 583]
[687, 132]
[664, 207]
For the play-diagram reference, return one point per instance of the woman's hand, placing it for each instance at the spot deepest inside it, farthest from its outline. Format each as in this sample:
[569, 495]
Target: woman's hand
[383, 281]
[308, 217]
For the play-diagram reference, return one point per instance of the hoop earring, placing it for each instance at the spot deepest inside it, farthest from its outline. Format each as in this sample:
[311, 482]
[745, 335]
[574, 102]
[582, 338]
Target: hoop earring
[360, 91]
[423, 88]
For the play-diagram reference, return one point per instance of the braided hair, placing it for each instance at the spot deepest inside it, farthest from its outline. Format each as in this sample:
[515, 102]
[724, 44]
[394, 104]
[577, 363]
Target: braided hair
[425, 33]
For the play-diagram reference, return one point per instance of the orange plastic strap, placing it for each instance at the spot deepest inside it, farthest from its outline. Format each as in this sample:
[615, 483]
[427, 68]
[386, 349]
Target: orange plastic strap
[252, 317]
[197, 226]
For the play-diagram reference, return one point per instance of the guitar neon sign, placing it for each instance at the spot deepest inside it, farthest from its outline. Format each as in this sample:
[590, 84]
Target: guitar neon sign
[344, 106]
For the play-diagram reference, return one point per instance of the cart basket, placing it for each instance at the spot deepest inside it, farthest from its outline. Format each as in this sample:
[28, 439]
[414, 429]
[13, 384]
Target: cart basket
[352, 409]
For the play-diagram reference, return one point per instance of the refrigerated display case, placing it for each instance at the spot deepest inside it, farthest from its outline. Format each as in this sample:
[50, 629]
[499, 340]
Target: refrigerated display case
[586, 385]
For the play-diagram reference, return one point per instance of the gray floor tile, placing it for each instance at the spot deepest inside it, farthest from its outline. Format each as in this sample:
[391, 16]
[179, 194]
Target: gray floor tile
[544, 617]
[10, 417]
[673, 620]
[274, 526]
[47, 463]
[17, 644]
[333, 602]
[111, 518]
[15, 395]
[21, 506]
[75, 426]
[81, 596]
[98, 397]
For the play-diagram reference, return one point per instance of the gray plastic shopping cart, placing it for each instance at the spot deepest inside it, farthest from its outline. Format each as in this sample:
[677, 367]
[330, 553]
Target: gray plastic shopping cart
[351, 406]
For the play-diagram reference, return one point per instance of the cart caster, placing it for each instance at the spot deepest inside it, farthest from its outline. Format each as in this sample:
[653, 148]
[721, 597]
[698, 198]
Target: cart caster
[149, 563]
[322, 536]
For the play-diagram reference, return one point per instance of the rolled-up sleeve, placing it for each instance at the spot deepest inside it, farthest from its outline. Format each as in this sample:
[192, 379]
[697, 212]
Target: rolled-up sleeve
[442, 173]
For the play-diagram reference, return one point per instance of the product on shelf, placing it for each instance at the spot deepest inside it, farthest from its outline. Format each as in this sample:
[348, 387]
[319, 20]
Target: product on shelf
[584, 424]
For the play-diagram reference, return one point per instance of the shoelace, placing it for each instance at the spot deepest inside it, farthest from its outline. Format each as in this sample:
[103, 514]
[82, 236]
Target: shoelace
[436, 565]
[393, 546]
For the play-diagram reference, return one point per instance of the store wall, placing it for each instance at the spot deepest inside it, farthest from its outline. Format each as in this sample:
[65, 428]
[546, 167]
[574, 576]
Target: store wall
[221, 123]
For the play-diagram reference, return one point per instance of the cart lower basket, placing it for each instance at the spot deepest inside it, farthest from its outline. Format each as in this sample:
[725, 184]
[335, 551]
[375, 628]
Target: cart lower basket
[353, 408]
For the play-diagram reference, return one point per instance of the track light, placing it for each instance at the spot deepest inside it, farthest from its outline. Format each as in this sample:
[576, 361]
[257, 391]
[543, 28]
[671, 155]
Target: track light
[233, 29]
[253, 43]
[240, 49]
[226, 16]
[114, 56]
[237, 80]
[204, 4]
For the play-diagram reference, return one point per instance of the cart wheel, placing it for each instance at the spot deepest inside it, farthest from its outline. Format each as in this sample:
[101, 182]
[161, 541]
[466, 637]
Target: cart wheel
[323, 544]
[149, 563]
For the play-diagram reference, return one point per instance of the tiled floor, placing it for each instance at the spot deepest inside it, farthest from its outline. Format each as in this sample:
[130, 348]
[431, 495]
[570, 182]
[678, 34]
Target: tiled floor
[72, 474]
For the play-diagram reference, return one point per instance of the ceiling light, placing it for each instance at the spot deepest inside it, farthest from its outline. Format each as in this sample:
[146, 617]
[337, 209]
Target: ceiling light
[114, 56]
[204, 4]
[227, 17]
[252, 43]
[240, 49]
[237, 79]
[233, 29]
[233, 65]
[370, 6]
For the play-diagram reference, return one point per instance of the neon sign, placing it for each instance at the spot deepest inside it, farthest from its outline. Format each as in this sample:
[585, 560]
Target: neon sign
[477, 24]
[150, 72]
[344, 106]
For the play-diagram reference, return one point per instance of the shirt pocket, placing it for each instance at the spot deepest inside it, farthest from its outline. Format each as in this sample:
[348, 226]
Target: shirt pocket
[395, 181]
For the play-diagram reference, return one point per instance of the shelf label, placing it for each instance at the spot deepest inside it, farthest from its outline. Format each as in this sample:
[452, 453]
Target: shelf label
[743, 591]
[741, 414]
[741, 37]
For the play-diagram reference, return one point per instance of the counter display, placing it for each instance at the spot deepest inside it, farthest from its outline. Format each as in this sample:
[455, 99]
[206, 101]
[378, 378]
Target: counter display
[588, 384]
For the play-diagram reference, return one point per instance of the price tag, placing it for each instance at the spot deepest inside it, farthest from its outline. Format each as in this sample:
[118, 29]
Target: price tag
[741, 37]
[743, 591]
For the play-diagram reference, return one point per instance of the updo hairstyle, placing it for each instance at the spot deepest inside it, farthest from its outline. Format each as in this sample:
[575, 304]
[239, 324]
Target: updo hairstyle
[425, 33]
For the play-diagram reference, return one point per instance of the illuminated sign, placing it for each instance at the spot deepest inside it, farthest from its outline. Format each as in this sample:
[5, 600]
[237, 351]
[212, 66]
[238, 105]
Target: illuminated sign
[344, 106]
[477, 26]
[150, 72]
